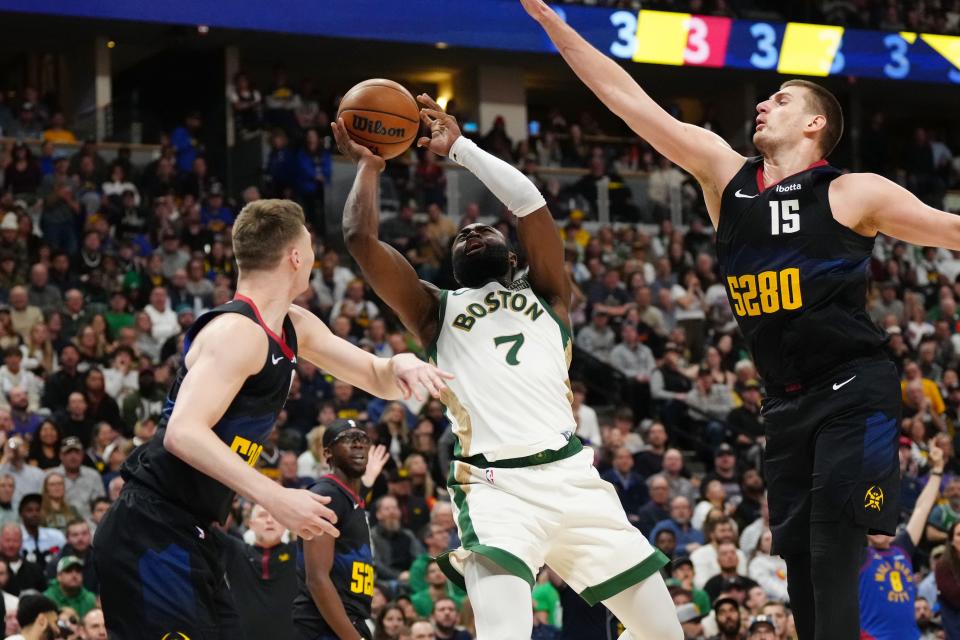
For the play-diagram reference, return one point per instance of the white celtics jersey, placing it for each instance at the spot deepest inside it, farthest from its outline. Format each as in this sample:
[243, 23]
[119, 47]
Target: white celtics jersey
[510, 354]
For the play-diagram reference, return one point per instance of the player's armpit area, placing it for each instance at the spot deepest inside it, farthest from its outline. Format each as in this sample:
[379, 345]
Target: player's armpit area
[543, 248]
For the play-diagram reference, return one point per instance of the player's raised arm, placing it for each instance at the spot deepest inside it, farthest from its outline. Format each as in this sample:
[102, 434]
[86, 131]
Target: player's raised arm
[390, 274]
[400, 376]
[701, 152]
[870, 203]
[538, 233]
[217, 370]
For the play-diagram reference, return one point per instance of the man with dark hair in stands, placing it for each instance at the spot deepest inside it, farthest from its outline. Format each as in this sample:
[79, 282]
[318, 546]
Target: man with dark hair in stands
[79, 544]
[65, 381]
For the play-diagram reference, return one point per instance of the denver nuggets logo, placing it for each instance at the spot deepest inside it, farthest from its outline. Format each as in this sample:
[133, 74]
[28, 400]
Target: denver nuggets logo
[873, 498]
[175, 635]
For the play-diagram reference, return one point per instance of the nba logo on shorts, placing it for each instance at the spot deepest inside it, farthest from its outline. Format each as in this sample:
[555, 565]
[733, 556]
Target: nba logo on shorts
[488, 474]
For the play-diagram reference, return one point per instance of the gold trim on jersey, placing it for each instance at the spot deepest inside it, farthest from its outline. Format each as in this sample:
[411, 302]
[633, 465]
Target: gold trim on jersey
[464, 432]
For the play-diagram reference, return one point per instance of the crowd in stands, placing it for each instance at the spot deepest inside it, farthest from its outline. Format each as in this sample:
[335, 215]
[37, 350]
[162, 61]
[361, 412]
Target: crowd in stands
[925, 16]
[105, 263]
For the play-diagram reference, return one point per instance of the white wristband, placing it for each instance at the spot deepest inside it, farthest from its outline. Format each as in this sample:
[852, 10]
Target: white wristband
[506, 182]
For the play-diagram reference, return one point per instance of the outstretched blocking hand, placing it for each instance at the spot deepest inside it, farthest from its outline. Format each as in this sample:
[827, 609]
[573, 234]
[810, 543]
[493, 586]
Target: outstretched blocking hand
[444, 130]
[356, 152]
[376, 459]
[537, 9]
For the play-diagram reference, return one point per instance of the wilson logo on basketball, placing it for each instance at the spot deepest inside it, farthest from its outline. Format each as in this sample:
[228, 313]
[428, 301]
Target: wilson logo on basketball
[363, 124]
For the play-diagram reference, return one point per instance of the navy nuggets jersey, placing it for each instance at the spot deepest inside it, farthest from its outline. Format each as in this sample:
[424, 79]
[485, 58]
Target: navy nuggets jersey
[352, 570]
[795, 277]
[244, 426]
[888, 590]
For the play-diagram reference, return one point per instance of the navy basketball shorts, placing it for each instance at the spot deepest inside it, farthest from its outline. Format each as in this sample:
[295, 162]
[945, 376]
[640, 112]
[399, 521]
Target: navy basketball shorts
[832, 454]
[161, 577]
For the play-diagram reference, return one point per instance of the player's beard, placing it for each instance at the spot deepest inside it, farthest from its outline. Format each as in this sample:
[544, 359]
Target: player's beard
[477, 270]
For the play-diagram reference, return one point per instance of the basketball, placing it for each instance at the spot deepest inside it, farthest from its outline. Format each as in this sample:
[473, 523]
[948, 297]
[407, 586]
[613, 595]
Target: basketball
[381, 115]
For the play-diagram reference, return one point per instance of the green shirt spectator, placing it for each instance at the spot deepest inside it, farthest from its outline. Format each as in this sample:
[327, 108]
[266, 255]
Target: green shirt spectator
[67, 588]
[547, 599]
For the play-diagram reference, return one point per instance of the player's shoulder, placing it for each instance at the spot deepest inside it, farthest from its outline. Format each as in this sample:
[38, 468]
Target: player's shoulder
[340, 501]
[219, 339]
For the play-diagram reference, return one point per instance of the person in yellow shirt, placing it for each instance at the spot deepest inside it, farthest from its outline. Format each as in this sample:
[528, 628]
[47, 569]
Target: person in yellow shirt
[58, 133]
[911, 372]
[574, 231]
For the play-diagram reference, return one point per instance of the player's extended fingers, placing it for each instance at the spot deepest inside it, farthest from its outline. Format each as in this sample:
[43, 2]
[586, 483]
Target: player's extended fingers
[437, 381]
[435, 114]
[427, 119]
[427, 381]
[404, 387]
[423, 142]
[444, 374]
[423, 98]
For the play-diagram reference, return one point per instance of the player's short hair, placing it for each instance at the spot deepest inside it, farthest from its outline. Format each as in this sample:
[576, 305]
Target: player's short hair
[263, 231]
[824, 103]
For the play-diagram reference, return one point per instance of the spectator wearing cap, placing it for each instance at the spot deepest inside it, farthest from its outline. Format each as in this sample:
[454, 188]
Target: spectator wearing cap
[185, 318]
[690, 620]
[79, 545]
[214, 214]
[669, 386]
[40, 293]
[37, 617]
[83, 483]
[414, 511]
[752, 497]
[597, 338]
[65, 381]
[27, 478]
[681, 575]
[725, 470]
[762, 628]
[14, 376]
[706, 558]
[744, 422]
[709, 404]
[394, 547]
[726, 614]
[67, 589]
[40, 543]
[631, 489]
[174, 256]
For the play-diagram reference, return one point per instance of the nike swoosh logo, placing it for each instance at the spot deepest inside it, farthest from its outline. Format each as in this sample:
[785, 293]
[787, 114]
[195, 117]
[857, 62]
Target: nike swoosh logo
[743, 195]
[276, 359]
[837, 385]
